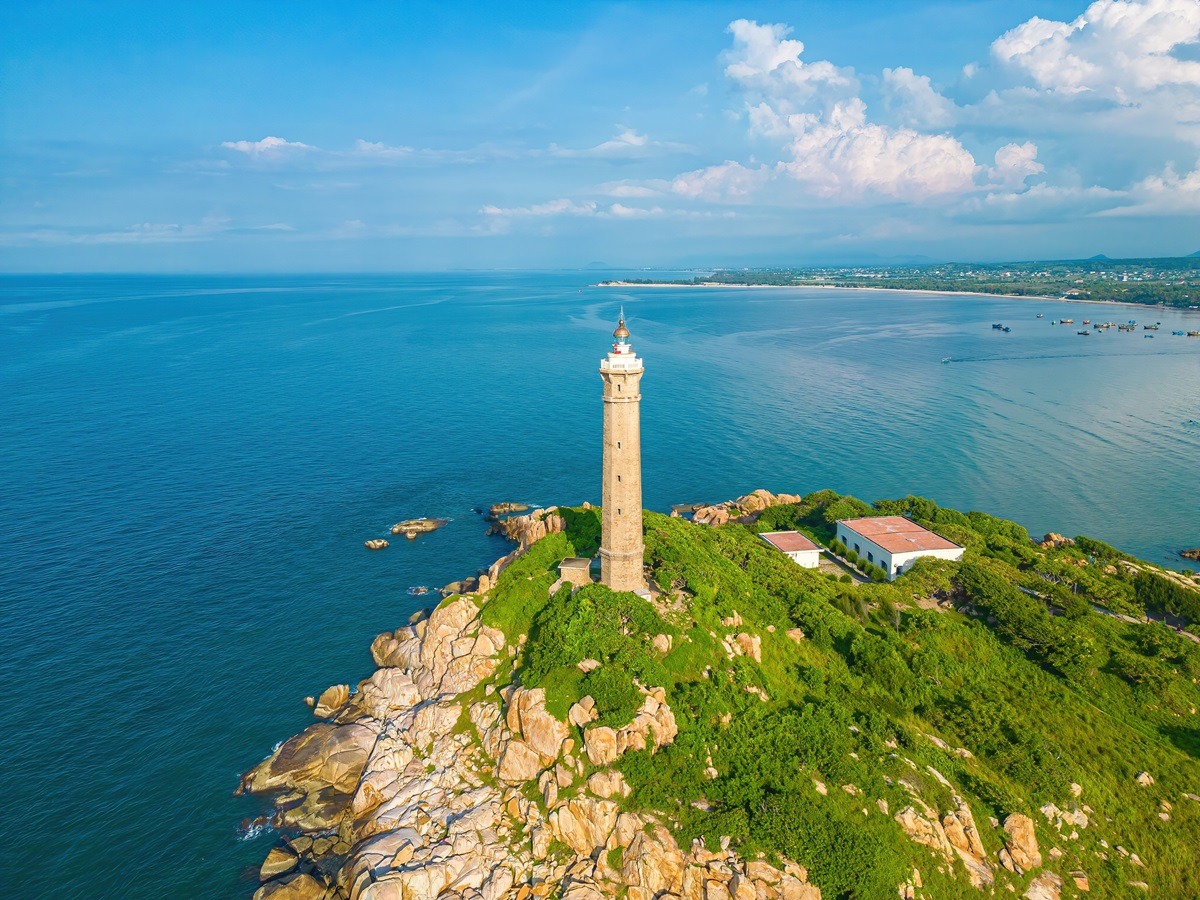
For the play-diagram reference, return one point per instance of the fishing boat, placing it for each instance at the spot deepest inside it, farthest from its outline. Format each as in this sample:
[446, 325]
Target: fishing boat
[998, 325]
[1087, 321]
[946, 359]
[1149, 328]
[1193, 334]
[1041, 315]
[1066, 321]
[1006, 329]
[1178, 333]
[1147, 335]
[1085, 332]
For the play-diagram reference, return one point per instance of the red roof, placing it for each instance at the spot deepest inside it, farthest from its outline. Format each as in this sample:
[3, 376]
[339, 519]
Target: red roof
[896, 534]
[788, 541]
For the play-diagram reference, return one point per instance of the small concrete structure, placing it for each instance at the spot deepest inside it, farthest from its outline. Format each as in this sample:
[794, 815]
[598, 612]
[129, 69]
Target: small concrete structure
[575, 570]
[893, 542]
[796, 546]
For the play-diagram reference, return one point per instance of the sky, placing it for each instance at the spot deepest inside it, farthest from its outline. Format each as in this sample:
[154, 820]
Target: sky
[386, 136]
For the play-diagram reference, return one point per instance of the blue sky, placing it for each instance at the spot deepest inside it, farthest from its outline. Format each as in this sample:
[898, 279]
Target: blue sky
[387, 136]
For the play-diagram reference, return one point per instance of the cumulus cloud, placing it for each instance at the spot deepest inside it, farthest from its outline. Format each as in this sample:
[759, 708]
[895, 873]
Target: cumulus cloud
[621, 211]
[1119, 49]
[729, 182]
[1014, 164]
[634, 189]
[1165, 193]
[915, 99]
[842, 154]
[268, 146]
[764, 59]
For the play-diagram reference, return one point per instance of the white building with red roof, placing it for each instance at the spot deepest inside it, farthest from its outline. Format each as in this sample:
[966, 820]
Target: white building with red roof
[894, 542]
[796, 546]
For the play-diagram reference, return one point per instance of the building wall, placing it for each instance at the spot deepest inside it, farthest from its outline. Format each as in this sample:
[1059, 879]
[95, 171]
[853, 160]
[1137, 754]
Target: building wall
[622, 548]
[884, 558]
[809, 559]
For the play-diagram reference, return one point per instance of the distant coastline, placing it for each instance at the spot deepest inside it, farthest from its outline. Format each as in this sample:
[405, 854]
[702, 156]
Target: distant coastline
[888, 290]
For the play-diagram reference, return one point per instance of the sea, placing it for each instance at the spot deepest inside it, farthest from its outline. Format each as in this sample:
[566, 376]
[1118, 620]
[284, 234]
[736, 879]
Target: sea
[189, 467]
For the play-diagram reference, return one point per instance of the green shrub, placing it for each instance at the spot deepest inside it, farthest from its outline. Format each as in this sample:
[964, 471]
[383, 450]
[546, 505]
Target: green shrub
[852, 557]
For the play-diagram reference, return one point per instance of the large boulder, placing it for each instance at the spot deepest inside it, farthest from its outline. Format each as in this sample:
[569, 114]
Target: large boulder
[527, 716]
[321, 756]
[518, 762]
[1022, 843]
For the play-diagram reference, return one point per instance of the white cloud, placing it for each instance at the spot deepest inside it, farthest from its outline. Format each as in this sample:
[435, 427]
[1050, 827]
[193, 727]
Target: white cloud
[268, 146]
[560, 207]
[729, 182]
[379, 150]
[830, 148]
[1118, 49]
[634, 189]
[843, 155]
[626, 143]
[1014, 164]
[140, 233]
[621, 211]
[914, 98]
[764, 59]
[1167, 193]
[1041, 203]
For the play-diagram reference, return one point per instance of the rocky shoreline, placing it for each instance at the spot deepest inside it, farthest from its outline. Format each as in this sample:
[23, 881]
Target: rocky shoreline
[439, 776]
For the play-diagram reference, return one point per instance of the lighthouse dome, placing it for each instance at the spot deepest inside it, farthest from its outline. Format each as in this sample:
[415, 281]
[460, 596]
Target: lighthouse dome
[622, 331]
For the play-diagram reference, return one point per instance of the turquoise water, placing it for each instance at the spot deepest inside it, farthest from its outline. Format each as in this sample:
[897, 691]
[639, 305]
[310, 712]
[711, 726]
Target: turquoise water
[189, 467]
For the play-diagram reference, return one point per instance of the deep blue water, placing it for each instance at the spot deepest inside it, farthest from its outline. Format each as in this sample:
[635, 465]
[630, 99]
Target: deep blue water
[189, 467]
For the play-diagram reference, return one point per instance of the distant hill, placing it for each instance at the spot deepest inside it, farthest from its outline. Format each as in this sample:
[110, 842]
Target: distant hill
[1190, 255]
[1098, 256]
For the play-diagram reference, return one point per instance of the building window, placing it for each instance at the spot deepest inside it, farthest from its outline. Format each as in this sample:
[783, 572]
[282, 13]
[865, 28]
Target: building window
[870, 556]
[857, 549]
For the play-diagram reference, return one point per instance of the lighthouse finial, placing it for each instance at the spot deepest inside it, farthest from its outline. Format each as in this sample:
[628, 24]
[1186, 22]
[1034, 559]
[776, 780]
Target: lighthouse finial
[622, 333]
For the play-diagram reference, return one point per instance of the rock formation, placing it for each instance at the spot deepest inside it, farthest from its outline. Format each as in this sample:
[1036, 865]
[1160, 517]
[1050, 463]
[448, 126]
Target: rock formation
[743, 509]
[1190, 553]
[412, 791]
[529, 529]
[410, 528]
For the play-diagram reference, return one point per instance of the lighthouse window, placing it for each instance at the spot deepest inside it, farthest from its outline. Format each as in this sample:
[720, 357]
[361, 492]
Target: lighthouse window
[618, 387]
[618, 510]
[618, 445]
[618, 478]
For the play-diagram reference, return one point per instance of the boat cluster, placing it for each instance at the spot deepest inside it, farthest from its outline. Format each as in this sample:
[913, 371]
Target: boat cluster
[1101, 327]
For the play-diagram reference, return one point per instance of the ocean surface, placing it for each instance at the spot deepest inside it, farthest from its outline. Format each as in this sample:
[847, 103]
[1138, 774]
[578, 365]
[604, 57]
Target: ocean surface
[189, 468]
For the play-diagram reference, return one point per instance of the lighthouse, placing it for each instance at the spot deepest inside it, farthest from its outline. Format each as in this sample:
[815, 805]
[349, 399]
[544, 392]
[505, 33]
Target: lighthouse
[622, 547]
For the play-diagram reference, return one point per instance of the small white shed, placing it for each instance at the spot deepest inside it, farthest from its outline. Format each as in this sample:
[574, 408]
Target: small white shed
[800, 549]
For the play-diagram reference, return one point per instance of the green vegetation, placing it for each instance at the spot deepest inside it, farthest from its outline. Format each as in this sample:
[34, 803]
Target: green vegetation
[1170, 281]
[1016, 666]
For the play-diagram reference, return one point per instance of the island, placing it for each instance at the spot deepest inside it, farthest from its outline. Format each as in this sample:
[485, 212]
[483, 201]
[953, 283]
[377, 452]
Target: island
[1021, 719]
[1168, 281]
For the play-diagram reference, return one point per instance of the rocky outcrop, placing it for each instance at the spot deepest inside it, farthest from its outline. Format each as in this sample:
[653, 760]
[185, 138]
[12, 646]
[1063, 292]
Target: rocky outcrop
[1020, 853]
[527, 530]
[1190, 553]
[653, 726]
[410, 792]
[375, 544]
[496, 510]
[1052, 539]
[410, 528]
[743, 509]
[960, 830]
[1046, 886]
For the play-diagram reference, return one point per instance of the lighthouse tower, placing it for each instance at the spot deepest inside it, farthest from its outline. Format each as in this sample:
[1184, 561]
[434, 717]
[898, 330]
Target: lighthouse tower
[621, 545]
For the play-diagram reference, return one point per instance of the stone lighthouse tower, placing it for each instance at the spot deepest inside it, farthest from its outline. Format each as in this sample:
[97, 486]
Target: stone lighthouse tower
[621, 545]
